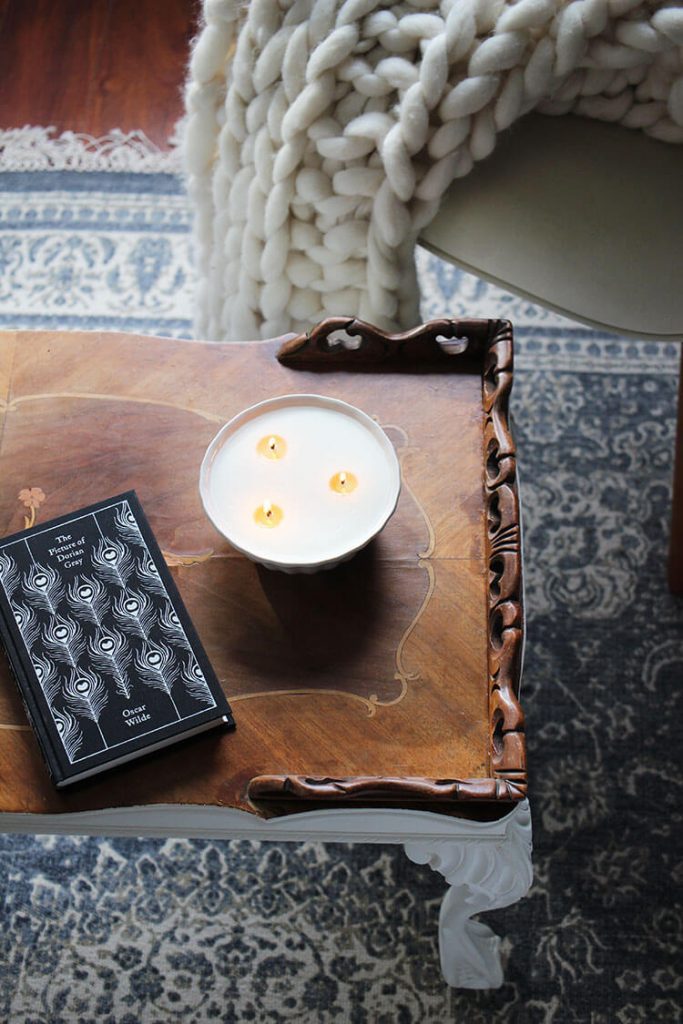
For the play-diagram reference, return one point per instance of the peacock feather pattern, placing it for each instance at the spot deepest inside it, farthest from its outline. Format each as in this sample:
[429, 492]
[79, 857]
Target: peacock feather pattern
[134, 613]
[127, 526]
[157, 668]
[86, 694]
[113, 560]
[9, 574]
[99, 638]
[88, 599]
[110, 654]
[64, 640]
[69, 732]
[149, 577]
[43, 588]
[48, 675]
[28, 624]
[195, 682]
[170, 625]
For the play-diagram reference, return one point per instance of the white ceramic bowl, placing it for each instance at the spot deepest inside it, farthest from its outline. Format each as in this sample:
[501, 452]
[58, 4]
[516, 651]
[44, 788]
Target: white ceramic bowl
[319, 528]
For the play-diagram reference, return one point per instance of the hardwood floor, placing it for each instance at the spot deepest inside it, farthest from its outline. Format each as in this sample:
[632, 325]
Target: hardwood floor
[94, 65]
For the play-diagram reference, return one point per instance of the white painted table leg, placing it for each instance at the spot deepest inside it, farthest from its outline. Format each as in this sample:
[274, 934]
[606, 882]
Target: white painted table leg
[482, 875]
[486, 864]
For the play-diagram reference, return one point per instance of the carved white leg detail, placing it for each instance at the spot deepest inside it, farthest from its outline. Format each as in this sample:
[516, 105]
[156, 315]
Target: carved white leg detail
[483, 874]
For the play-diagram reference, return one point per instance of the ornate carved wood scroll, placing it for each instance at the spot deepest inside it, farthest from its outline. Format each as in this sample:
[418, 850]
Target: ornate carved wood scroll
[490, 341]
[345, 342]
[381, 789]
[506, 614]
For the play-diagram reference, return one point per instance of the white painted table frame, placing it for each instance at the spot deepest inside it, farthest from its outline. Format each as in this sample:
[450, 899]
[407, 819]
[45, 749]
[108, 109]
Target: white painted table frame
[487, 865]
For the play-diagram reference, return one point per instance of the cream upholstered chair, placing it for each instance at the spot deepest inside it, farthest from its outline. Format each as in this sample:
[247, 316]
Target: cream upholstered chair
[585, 218]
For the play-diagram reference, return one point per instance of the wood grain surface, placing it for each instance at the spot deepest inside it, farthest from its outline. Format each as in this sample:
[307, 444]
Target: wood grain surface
[93, 65]
[390, 679]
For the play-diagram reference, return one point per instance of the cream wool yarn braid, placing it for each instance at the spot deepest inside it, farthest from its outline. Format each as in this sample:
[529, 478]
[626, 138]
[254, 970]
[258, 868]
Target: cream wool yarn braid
[321, 135]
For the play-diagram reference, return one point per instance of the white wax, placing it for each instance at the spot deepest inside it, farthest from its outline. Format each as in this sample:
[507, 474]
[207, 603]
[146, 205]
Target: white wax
[323, 437]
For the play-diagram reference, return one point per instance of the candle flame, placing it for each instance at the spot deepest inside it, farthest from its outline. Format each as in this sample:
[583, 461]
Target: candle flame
[272, 447]
[344, 482]
[268, 514]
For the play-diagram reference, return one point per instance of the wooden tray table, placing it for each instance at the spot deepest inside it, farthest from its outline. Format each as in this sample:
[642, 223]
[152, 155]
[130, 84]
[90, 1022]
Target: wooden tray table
[380, 698]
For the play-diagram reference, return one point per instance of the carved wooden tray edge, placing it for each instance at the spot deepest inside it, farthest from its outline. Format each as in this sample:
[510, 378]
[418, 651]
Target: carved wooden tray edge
[386, 789]
[492, 342]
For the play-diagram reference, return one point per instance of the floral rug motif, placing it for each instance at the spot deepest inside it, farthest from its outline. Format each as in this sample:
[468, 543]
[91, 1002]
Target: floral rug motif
[122, 931]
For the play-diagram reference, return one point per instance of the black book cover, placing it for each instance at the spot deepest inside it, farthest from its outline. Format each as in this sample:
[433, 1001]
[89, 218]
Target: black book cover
[105, 655]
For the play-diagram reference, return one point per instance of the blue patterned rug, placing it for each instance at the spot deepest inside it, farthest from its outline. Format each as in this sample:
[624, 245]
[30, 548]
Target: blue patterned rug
[128, 931]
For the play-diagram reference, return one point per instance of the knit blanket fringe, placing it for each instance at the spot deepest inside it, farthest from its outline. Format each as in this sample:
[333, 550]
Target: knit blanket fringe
[321, 135]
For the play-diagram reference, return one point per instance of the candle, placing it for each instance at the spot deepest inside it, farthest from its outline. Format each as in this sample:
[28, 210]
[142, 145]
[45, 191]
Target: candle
[301, 482]
[268, 515]
[344, 483]
[273, 447]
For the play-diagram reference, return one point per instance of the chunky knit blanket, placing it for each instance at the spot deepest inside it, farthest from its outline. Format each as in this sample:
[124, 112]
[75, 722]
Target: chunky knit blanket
[321, 135]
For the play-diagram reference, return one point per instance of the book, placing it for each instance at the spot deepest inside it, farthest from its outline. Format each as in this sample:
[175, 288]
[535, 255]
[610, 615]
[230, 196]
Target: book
[104, 653]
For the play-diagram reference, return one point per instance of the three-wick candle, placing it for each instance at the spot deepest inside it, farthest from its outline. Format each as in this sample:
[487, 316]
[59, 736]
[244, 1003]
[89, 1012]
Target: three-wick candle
[300, 482]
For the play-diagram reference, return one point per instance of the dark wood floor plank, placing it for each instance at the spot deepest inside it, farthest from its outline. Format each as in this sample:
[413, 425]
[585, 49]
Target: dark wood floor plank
[48, 54]
[4, 4]
[142, 68]
[94, 65]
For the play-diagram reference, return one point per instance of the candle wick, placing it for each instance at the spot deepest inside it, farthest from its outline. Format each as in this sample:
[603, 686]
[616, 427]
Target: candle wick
[343, 482]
